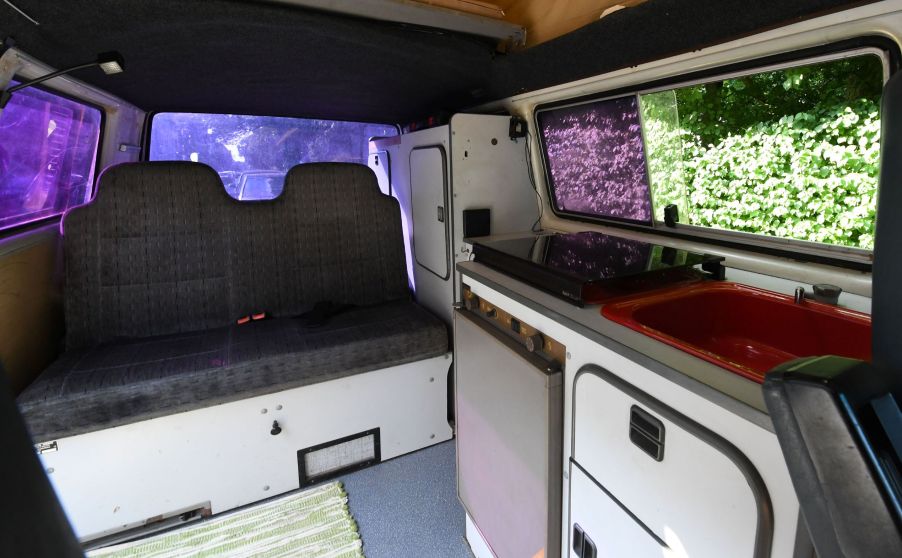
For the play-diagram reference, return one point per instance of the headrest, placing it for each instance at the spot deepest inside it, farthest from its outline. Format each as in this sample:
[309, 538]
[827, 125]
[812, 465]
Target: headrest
[343, 179]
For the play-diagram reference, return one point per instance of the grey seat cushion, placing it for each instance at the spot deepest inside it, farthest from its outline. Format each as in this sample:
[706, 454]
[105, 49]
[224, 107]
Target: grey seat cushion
[126, 381]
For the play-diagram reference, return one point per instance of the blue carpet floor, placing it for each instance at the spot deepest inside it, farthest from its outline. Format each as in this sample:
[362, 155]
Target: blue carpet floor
[408, 507]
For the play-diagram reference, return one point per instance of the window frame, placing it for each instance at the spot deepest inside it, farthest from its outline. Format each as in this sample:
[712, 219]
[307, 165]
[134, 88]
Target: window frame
[98, 156]
[804, 250]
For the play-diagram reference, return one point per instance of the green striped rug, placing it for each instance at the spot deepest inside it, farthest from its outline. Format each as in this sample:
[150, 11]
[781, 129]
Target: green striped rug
[313, 523]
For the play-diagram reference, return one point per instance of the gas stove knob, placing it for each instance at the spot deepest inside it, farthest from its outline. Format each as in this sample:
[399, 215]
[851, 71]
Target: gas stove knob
[535, 342]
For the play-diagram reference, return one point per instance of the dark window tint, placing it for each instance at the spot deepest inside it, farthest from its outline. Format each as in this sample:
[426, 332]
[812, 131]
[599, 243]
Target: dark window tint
[253, 153]
[48, 149]
[595, 159]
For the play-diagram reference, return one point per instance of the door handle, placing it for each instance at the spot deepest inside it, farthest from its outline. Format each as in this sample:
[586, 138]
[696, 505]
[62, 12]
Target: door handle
[647, 433]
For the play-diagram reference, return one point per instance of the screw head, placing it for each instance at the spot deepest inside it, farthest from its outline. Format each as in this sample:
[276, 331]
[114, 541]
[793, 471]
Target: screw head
[265, 488]
[263, 411]
[278, 407]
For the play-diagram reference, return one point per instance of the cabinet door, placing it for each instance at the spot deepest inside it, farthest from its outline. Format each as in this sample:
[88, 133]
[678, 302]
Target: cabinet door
[611, 530]
[428, 190]
[692, 488]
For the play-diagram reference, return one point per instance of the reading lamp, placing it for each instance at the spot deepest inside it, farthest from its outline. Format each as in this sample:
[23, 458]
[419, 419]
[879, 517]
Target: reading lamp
[109, 62]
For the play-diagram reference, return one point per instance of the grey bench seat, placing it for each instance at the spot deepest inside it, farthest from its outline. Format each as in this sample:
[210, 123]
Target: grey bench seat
[161, 264]
[132, 380]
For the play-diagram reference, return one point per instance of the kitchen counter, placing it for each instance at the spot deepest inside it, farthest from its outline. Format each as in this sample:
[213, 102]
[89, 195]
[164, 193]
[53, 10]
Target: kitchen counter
[720, 386]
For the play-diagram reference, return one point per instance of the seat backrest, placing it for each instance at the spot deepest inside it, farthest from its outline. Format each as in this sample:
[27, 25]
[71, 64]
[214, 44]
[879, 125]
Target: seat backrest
[149, 255]
[331, 236]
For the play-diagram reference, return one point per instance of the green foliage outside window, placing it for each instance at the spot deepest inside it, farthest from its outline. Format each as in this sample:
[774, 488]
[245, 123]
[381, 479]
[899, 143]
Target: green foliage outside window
[790, 153]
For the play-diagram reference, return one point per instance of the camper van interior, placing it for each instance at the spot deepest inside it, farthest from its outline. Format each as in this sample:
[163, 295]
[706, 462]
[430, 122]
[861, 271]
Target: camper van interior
[451, 278]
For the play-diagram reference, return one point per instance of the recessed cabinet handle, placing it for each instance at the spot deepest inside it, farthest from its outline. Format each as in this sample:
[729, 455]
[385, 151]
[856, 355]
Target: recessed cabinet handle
[647, 433]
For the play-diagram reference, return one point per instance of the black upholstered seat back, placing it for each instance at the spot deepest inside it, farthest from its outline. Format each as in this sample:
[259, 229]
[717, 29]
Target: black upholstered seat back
[149, 255]
[331, 236]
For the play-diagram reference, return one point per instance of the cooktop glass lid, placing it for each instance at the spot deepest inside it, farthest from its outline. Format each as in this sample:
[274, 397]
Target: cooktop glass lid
[593, 256]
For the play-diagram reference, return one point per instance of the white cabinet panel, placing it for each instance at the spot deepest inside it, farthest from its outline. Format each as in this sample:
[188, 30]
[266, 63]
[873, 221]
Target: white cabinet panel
[428, 187]
[611, 529]
[380, 163]
[703, 498]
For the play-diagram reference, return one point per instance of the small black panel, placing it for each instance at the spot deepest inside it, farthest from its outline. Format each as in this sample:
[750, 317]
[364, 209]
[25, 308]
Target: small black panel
[477, 222]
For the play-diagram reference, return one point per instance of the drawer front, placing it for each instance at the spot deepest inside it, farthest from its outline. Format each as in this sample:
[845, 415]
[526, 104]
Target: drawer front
[597, 521]
[693, 489]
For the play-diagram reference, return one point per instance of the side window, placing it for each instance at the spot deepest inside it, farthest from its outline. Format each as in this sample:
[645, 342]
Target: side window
[595, 159]
[789, 153]
[48, 151]
[252, 154]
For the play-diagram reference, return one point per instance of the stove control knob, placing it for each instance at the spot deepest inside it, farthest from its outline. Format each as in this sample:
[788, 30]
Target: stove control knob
[472, 303]
[535, 342]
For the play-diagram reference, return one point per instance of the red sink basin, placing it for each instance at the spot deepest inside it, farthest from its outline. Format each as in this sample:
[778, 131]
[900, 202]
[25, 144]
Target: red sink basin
[744, 329]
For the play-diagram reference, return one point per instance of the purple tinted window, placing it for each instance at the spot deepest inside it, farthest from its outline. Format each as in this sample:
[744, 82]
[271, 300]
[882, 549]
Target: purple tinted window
[48, 148]
[253, 153]
[596, 160]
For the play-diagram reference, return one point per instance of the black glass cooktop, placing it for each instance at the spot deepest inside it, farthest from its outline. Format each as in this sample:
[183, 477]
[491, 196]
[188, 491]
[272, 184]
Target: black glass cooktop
[589, 267]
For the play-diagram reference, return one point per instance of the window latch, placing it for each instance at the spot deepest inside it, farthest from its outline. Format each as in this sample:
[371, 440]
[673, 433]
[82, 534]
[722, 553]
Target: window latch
[671, 215]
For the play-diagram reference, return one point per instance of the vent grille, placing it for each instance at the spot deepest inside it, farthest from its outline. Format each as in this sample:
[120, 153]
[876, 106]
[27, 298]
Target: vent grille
[346, 454]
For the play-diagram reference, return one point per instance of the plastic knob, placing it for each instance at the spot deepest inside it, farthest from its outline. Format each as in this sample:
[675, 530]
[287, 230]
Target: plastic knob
[472, 303]
[491, 313]
[276, 429]
[535, 342]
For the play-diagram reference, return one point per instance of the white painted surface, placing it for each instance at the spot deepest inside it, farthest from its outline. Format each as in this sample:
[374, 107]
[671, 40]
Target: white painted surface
[695, 499]
[225, 455]
[380, 163]
[431, 291]
[613, 531]
[429, 190]
[758, 444]
[481, 175]
[489, 175]
[478, 546]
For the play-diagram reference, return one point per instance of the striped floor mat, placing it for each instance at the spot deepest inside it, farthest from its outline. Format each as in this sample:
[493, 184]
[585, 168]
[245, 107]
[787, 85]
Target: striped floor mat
[313, 523]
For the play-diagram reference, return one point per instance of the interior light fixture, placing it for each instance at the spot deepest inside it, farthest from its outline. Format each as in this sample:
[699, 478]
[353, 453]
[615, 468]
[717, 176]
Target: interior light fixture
[110, 62]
